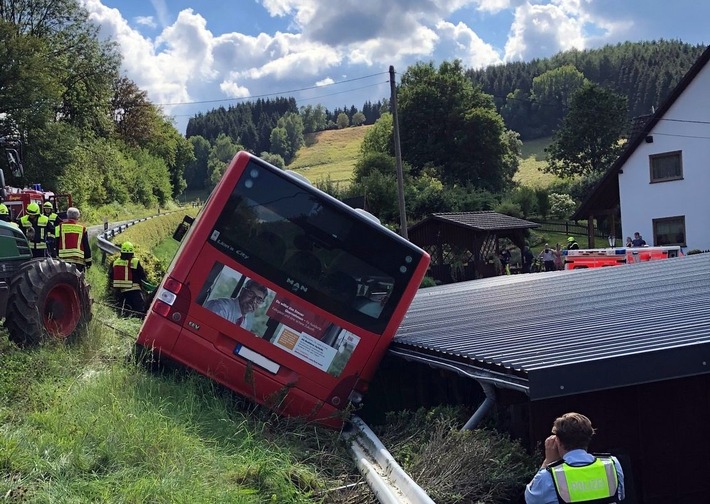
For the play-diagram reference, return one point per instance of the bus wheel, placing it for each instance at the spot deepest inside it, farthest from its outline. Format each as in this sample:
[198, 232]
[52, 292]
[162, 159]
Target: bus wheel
[48, 299]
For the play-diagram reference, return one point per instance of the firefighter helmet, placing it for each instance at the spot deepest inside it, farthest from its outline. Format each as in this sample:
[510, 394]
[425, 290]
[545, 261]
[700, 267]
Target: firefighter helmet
[33, 209]
[3, 209]
[127, 247]
[48, 204]
[570, 239]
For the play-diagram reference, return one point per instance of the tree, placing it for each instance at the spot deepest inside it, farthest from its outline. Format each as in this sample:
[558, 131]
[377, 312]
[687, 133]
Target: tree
[358, 119]
[28, 92]
[273, 159]
[553, 90]
[314, 118]
[343, 120]
[279, 142]
[379, 137]
[196, 170]
[452, 126]
[588, 140]
[222, 153]
[133, 114]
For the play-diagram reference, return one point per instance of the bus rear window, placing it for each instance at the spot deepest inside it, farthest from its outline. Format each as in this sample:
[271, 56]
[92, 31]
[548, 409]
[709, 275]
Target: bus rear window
[277, 227]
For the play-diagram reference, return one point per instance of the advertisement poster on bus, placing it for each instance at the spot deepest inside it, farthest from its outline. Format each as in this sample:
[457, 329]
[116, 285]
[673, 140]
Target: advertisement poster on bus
[281, 319]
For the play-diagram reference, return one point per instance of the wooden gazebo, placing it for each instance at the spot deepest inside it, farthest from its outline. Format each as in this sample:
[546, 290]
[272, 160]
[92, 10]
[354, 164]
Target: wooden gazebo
[463, 245]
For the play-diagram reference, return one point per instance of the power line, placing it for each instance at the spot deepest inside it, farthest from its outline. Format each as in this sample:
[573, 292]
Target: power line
[277, 93]
[306, 99]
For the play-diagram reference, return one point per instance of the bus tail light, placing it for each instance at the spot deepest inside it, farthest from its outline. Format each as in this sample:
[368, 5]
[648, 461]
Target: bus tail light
[172, 301]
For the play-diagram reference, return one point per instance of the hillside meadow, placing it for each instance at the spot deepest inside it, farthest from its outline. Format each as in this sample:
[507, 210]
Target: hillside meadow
[334, 153]
[330, 154]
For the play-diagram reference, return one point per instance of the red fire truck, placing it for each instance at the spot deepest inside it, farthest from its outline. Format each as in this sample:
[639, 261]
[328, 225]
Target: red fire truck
[17, 199]
[602, 257]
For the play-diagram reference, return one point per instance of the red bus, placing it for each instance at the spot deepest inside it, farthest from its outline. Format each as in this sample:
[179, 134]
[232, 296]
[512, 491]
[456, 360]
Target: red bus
[283, 293]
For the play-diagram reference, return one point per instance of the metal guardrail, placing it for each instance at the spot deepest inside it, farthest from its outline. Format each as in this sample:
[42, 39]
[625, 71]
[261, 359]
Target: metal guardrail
[387, 480]
[103, 241]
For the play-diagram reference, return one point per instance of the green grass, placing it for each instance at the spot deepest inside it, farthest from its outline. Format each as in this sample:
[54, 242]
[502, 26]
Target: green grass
[533, 158]
[334, 153]
[331, 154]
[87, 423]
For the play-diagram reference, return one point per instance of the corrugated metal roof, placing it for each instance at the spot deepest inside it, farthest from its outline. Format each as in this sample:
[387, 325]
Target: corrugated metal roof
[481, 221]
[568, 332]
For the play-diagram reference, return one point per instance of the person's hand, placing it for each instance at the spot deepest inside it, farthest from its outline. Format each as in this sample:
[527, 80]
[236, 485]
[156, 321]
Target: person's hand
[552, 452]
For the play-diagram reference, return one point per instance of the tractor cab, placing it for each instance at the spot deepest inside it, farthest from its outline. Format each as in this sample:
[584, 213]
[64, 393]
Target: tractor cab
[16, 199]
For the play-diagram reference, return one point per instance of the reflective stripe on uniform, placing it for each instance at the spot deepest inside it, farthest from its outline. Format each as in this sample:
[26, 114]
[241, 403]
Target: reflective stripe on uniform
[38, 243]
[123, 274]
[590, 482]
[70, 245]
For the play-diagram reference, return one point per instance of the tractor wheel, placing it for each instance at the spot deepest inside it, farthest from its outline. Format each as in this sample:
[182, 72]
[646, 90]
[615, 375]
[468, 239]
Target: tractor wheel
[48, 299]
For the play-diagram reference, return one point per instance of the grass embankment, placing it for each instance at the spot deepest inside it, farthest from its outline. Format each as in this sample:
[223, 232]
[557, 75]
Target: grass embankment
[86, 423]
[532, 160]
[330, 154]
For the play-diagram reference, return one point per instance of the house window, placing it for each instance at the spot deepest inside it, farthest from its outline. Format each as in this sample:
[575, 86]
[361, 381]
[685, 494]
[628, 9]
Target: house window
[669, 231]
[666, 166]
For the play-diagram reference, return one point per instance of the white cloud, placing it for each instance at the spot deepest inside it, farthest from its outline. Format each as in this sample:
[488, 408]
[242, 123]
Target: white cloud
[161, 10]
[493, 6]
[466, 45]
[187, 62]
[145, 21]
[234, 90]
[543, 30]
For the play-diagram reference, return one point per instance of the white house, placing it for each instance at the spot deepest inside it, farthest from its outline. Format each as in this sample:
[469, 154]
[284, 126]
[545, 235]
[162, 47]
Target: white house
[660, 185]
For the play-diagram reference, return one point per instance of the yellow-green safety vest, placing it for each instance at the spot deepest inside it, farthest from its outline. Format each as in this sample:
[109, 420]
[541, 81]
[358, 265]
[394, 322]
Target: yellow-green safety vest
[123, 274]
[592, 483]
[39, 243]
[70, 243]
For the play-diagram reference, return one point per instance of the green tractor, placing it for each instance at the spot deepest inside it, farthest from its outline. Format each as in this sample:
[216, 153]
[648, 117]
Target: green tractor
[40, 298]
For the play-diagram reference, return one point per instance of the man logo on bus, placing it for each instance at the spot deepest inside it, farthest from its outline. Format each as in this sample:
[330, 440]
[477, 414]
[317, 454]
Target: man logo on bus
[238, 310]
[296, 286]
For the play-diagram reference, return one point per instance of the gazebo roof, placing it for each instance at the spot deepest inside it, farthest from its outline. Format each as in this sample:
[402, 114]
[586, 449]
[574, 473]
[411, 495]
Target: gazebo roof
[477, 221]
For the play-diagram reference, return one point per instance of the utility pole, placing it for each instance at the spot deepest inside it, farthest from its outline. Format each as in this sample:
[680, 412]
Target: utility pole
[398, 157]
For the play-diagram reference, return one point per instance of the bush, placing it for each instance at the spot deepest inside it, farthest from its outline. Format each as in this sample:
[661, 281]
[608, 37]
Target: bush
[509, 208]
[562, 205]
[427, 281]
[454, 466]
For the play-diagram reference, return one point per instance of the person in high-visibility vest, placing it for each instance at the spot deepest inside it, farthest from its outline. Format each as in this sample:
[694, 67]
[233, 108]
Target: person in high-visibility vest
[125, 276]
[73, 241]
[38, 230]
[5, 216]
[572, 243]
[571, 474]
[48, 210]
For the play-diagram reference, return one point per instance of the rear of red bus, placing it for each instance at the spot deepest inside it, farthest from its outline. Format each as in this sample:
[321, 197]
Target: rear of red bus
[283, 294]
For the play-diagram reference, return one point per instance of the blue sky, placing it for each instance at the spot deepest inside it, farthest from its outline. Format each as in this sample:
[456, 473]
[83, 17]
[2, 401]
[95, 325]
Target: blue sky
[192, 56]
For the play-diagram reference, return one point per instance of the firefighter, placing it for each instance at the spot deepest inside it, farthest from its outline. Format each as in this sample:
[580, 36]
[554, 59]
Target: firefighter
[572, 243]
[48, 210]
[38, 230]
[5, 216]
[125, 276]
[73, 241]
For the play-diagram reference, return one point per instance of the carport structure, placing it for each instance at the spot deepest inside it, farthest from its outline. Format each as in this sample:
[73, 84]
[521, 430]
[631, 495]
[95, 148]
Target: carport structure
[629, 346]
[461, 244]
